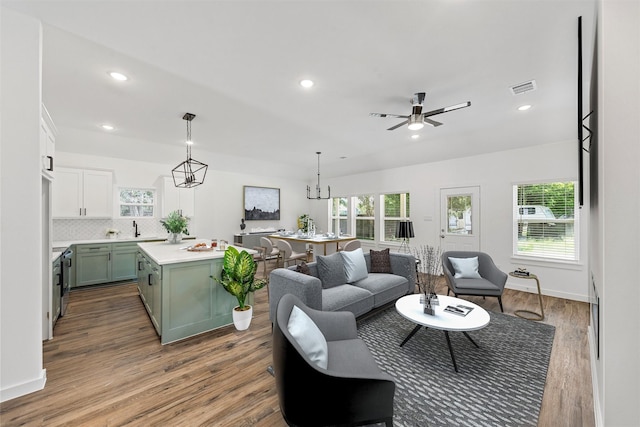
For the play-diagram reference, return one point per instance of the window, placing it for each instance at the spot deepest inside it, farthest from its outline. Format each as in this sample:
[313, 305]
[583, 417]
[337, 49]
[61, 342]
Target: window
[396, 209]
[339, 214]
[365, 217]
[136, 202]
[544, 220]
[459, 214]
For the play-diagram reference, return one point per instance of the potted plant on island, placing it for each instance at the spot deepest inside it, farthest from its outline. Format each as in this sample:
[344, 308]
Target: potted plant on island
[238, 278]
[176, 226]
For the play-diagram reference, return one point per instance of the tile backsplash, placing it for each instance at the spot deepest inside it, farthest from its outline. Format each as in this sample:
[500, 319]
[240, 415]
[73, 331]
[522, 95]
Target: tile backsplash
[90, 229]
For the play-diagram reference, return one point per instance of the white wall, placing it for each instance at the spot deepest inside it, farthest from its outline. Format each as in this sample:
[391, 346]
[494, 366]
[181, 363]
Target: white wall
[495, 174]
[615, 247]
[21, 368]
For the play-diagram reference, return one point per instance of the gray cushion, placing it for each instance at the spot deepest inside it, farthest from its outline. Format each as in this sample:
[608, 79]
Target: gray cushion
[331, 270]
[347, 298]
[384, 287]
[477, 284]
[351, 357]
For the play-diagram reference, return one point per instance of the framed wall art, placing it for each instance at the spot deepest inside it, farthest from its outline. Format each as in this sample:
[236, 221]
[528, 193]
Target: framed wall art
[261, 203]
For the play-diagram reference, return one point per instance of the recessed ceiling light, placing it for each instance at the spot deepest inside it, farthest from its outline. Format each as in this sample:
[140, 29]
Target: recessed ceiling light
[118, 76]
[524, 107]
[107, 127]
[415, 136]
[306, 83]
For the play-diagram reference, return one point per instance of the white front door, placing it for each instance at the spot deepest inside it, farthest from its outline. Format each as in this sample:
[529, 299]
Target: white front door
[460, 219]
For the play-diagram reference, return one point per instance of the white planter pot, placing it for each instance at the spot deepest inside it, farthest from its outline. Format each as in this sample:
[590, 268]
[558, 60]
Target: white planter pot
[242, 319]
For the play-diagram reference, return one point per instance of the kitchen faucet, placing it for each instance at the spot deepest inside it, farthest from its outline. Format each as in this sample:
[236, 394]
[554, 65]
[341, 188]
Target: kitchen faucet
[136, 234]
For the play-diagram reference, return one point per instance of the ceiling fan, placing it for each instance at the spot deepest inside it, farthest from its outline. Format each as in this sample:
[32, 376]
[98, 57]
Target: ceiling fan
[417, 119]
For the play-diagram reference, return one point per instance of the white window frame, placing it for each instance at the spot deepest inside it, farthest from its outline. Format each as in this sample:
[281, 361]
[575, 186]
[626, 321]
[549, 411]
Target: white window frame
[575, 257]
[403, 215]
[154, 205]
[338, 218]
[355, 218]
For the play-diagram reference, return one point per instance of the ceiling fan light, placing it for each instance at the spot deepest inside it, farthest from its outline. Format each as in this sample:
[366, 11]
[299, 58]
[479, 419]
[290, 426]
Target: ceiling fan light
[416, 126]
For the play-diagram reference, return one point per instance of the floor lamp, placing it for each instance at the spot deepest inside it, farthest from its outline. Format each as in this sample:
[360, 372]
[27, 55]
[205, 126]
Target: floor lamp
[404, 231]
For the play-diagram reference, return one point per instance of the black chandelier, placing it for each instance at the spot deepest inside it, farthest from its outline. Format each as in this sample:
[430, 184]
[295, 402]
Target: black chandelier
[317, 196]
[191, 172]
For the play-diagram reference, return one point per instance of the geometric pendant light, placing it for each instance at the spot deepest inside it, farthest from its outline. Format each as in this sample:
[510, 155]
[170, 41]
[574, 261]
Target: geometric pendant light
[191, 172]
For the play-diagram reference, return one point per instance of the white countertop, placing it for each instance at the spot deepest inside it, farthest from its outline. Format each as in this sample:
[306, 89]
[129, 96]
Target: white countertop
[169, 253]
[55, 255]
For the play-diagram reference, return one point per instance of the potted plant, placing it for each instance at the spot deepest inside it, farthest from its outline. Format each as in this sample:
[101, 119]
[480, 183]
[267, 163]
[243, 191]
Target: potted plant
[430, 267]
[176, 226]
[238, 278]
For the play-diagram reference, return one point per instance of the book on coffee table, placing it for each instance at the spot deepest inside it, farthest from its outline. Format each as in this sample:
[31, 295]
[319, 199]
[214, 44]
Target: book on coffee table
[460, 310]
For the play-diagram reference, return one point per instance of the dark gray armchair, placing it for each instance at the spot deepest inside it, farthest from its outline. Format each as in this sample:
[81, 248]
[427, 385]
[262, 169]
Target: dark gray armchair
[352, 391]
[491, 283]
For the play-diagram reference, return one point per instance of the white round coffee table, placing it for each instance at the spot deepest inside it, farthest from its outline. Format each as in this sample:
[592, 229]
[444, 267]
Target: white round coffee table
[412, 309]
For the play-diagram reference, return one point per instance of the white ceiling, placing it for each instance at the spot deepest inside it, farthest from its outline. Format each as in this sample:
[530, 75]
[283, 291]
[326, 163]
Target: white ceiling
[237, 64]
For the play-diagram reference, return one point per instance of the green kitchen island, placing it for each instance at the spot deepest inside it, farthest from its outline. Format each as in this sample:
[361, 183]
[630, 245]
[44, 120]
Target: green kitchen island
[178, 293]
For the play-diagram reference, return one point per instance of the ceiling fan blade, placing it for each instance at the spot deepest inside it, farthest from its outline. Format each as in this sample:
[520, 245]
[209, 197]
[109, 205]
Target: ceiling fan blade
[431, 122]
[447, 109]
[387, 115]
[398, 125]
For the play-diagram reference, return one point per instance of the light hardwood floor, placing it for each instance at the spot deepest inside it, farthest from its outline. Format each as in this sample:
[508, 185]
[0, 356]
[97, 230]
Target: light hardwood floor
[106, 367]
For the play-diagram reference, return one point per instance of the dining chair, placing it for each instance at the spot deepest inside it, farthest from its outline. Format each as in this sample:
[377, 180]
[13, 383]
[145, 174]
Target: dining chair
[351, 245]
[287, 253]
[271, 252]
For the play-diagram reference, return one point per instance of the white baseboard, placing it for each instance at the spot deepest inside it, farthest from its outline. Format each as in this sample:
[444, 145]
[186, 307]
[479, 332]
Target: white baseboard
[24, 388]
[533, 289]
[597, 411]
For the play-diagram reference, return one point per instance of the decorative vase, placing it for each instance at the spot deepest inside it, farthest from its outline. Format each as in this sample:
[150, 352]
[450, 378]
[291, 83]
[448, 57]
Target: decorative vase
[428, 308]
[175, 238]
[242, 318]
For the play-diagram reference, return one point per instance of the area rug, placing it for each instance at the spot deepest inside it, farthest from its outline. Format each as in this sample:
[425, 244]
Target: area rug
[499, 384]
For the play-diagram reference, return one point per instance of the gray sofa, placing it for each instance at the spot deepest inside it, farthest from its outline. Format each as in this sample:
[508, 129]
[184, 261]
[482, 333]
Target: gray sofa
[359, 297]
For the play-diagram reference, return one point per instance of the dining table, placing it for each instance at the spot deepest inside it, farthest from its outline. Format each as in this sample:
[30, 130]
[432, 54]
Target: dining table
[321, 244]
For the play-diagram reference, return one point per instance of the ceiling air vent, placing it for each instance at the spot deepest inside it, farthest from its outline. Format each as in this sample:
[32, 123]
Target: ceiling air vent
[523, 87]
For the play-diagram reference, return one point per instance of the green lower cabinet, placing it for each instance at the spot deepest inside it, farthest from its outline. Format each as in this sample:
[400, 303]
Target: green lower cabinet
[124, 261]
[93, 264]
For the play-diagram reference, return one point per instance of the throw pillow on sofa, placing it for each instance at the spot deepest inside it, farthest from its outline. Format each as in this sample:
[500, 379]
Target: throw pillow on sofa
[303, 268]
[355, 267]
[331, 270]
[380, 261]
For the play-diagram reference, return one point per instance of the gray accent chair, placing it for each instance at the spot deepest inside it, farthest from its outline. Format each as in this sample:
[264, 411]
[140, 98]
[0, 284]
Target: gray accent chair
[491, 284]
[352, 391]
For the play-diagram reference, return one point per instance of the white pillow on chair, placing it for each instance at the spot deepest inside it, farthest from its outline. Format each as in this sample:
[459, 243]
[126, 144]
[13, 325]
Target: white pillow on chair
[309, 337]
[465, 268]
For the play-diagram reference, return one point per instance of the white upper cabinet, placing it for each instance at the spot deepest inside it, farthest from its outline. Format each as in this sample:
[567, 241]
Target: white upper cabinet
[176, 199]
[82, 193]
[47, 143]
